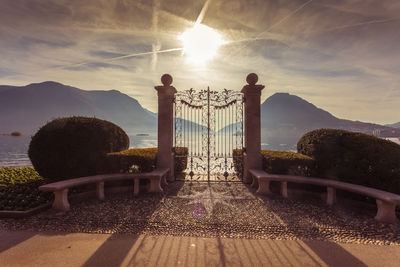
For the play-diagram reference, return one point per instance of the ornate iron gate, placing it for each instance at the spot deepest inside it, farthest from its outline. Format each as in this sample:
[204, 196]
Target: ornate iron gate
[210, 125]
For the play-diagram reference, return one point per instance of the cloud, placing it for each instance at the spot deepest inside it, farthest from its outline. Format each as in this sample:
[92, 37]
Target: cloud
[95, 66]
[342, 56]
[105, 54]
[4, 72]
[27, 42]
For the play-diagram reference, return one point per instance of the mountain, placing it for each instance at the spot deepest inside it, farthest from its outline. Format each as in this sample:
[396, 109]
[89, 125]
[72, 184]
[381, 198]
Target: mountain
[394, 125]
[154, 115]
[6, 87]
[285, 118]
[26, 108]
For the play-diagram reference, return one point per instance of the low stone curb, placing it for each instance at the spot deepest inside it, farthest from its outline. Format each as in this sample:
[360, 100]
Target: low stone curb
[25, 213]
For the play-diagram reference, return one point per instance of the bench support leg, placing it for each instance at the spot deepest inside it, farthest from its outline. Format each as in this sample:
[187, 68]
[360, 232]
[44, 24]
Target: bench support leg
[61, 200]
[331, 195]
[155, 186]
[136, 187]
[254, 182]
[100, 190]
[284, 191]
[386, 212]
[263, 186]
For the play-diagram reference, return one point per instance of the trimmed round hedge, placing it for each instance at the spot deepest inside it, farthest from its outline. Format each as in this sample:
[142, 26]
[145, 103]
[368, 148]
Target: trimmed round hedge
[74, 147]
[353, 157]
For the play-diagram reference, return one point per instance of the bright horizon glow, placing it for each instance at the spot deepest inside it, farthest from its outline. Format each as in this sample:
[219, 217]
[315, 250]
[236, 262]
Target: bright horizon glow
[200, 43]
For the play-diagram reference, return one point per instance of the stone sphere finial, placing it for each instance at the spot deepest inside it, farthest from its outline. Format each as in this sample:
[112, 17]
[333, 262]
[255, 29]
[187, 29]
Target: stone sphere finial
[252, 79]
[166, 79]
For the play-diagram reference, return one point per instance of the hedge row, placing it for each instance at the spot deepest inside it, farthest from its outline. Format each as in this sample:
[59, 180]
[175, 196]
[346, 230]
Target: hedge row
[354, 158]
[279, 162]
[140, 159]
[286, 162]
[143, 160]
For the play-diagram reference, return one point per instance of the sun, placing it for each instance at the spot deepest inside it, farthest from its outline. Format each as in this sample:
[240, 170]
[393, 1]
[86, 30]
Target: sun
[200, 43]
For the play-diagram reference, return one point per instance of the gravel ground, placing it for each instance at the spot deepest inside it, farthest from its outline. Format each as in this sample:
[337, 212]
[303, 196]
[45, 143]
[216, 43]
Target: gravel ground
[218, 210]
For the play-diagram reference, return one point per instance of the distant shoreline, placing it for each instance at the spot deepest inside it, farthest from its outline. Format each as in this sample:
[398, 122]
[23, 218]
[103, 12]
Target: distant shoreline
[14, 134]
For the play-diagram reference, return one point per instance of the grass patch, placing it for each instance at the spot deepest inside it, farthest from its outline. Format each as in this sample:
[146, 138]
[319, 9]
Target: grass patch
[19, 189]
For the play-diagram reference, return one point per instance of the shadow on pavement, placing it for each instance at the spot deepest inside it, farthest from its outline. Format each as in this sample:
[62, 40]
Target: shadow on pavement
[116, 248]
[333, 254]
[11, 239]
[305, 229]
[112, 252]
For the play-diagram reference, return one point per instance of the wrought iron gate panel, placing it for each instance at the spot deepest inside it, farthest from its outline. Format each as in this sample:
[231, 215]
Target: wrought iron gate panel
[210, 125]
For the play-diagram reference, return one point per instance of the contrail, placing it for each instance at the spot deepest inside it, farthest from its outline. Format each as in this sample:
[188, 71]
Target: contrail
[272, 26]
[285, 18]
[252, 39]
[125, 56]
[156, 45]
[357, 24]
[202, 13]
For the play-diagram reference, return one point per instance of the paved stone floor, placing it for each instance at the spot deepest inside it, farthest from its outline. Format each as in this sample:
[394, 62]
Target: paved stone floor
[218, 210]
[42, 249]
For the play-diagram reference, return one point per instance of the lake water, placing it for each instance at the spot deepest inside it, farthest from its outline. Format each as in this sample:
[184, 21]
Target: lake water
[395, 140]
[14, 150]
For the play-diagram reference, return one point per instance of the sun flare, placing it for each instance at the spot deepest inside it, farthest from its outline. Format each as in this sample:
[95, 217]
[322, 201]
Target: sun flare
[200, 43]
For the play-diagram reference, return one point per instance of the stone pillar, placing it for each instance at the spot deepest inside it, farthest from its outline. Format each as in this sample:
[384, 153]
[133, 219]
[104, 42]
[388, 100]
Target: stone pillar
[252, 131]
[165, 157]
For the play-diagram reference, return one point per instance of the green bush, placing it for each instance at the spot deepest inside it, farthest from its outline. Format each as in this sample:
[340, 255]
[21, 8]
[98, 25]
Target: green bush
[354, 157]
[74, 147]
[181, 159]
[286, 162]
[16, 175]
[279, 162]
[238, 161]
[19, 189]
[16, 134]
[144, 159]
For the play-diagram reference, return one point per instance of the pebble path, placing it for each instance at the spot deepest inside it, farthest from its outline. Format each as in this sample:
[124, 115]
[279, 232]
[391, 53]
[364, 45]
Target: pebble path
[217, 210]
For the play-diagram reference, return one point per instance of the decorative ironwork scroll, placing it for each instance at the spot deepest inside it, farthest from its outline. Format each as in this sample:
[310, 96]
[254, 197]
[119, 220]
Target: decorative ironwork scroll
[210, 125]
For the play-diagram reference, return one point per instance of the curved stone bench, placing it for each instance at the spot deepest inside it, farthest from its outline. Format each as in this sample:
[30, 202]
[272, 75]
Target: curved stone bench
[60, 189]
[386, 201]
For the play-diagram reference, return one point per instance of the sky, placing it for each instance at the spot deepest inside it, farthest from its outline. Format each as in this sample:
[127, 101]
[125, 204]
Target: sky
[341, 55]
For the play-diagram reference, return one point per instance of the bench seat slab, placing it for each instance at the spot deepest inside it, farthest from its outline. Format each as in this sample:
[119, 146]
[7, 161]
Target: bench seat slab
[60, 189]
[61, 200]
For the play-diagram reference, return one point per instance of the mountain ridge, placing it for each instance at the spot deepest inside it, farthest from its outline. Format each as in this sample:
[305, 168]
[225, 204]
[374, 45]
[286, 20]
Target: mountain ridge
[26, 108]
[284, 117]
[394, 125]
